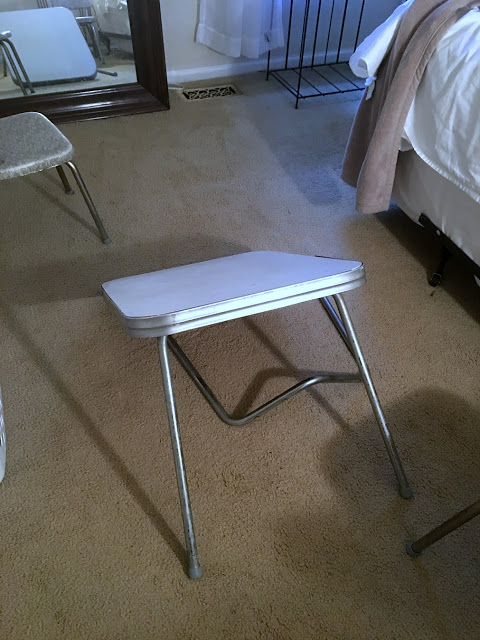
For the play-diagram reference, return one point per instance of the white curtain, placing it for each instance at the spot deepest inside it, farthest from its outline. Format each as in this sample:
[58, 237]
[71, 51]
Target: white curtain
[105, 5]
[240, 27]
[112, 15]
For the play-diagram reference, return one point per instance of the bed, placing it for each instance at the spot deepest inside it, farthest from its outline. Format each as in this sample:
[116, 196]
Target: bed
[437, 180]
[441, 207]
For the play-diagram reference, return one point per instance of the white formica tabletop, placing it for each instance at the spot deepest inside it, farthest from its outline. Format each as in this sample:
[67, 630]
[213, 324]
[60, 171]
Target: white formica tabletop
[182, 298]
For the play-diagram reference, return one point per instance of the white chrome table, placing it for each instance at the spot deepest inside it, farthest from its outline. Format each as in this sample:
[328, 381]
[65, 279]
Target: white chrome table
[163, 303]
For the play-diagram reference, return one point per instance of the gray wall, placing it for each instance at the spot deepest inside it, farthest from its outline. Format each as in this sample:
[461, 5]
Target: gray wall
[187, 60]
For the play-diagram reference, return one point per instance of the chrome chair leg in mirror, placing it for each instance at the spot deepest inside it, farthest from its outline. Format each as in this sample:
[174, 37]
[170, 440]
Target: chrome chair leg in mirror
[12, 59]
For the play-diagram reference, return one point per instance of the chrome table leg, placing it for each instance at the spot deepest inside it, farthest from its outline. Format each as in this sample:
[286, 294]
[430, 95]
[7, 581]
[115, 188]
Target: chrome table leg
[404, 488]
[194, 569]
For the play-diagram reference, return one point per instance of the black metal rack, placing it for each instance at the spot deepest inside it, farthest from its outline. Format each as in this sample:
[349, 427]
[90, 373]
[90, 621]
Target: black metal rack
[323, 70]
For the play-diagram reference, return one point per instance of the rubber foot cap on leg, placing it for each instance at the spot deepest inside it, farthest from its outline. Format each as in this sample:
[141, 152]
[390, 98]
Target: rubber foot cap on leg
[406, 492]
[107, 241]
[410, 551]
[69, 192]
[195, 572]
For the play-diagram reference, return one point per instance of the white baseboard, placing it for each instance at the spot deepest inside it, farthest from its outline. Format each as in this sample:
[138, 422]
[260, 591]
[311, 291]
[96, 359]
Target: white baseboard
[181, 76]
[238, 67]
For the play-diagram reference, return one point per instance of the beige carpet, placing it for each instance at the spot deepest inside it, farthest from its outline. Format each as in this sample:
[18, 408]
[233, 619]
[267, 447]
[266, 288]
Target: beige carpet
[300, 529]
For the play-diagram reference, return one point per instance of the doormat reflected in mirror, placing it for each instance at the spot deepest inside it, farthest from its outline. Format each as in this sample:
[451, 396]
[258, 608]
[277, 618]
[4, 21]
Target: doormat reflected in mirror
[204, 93]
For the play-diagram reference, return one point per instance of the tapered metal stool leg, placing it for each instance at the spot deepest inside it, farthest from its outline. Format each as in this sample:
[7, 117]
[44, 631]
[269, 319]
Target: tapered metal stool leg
[414, 549]
[404, 488]
[194, 569]
[64, 179]
[89, 202]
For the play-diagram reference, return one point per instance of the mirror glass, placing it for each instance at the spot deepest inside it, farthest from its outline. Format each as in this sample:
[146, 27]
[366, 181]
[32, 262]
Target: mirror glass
[50, 46]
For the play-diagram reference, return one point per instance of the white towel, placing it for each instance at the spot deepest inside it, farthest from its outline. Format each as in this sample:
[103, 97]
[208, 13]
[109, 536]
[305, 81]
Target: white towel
[369, 54]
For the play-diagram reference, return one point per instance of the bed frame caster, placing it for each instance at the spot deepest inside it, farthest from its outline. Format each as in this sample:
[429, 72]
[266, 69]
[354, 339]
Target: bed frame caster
[437, 277]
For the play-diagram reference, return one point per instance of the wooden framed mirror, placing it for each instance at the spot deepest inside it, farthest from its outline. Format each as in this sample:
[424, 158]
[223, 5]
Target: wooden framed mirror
[148, 93]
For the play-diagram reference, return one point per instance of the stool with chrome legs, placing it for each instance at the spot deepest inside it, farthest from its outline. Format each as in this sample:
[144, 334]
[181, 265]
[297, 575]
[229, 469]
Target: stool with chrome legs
[163, 303]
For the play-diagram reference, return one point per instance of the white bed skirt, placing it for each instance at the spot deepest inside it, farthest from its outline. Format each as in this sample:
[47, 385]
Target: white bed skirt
[419, 189]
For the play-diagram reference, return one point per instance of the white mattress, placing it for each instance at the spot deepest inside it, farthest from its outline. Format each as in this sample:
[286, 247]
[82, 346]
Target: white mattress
[442, 125]
[420, 189]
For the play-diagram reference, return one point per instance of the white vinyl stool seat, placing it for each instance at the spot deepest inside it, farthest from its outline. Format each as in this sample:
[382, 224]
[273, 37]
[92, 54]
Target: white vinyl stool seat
[163, 303]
